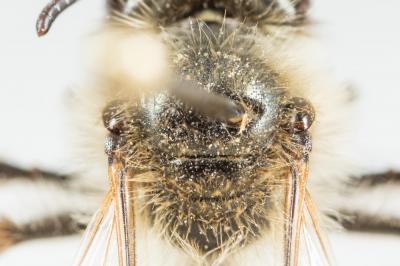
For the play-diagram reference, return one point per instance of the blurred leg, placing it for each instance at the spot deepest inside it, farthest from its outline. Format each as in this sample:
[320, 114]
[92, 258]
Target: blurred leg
[9, 172]
[11, 233]
[371, 204]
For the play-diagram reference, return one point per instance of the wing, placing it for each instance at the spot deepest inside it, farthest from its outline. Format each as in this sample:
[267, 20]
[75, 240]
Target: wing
[314, 248]
[109, 238]
[303, 243]
[99, 245]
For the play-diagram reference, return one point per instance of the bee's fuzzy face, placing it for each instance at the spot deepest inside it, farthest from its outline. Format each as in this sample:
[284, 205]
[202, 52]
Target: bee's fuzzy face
[212, 182]
[205, 185]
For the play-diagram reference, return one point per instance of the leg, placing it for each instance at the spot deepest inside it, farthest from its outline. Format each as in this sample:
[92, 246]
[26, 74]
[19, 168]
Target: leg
[63, 224]
[362, 222]
[390, 177]
[37, 204]
[371, 204]
[8, 172]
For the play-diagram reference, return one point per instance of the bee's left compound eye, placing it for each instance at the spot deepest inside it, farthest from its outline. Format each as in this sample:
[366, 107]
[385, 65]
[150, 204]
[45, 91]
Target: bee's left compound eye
[112, 118]
[114, 123]
[299, 115]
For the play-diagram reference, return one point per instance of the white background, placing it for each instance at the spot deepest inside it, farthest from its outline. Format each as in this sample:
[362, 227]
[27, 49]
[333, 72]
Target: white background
[362, 36]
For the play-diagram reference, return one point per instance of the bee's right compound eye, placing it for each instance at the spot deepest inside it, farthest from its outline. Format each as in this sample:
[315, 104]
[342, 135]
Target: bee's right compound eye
[299, 115]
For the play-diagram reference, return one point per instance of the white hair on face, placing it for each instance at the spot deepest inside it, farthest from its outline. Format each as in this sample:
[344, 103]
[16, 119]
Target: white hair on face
[135, 60]
[287, 5]
[130, 5]
[153, 251]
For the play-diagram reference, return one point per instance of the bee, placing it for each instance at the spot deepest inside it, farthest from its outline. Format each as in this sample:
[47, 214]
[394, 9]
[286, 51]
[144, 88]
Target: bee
[215, 127]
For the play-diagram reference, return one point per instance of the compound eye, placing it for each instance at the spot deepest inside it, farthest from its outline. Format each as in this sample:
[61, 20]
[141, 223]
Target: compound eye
[302, 121]
[300, 115]
[112, 118]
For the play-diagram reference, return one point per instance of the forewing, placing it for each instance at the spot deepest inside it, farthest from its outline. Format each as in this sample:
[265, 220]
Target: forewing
[99, 245]
[313, 249]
